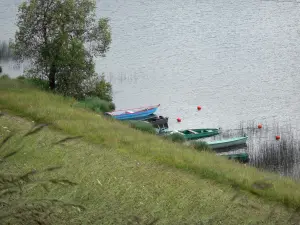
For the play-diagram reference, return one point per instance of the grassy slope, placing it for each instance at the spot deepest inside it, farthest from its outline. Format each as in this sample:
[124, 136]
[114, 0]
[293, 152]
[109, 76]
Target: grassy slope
[121, 174]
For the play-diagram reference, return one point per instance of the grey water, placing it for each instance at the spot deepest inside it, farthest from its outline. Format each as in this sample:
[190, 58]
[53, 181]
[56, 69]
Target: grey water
[238, 59]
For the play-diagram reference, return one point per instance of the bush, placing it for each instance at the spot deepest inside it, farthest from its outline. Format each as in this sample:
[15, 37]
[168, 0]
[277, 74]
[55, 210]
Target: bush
[96, 104]
[100, 88]
[175, 137]
[39, 83]
[4, 76]
[141, 125]
[200, 146]
[21, 78]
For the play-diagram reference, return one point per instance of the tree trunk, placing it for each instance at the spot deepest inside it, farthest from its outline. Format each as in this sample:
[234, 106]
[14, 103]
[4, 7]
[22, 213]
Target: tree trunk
[52, 77]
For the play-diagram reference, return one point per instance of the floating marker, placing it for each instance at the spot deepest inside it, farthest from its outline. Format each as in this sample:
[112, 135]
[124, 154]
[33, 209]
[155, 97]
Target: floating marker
[277, 137]
[199, 107]
[259, 126]
[178, 120]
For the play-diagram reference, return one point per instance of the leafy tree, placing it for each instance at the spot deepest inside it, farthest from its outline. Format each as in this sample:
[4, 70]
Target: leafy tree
[60, 39]
[102, 89]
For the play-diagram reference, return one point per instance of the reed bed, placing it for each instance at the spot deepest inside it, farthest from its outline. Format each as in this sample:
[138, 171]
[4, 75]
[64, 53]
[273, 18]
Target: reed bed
[281, 156]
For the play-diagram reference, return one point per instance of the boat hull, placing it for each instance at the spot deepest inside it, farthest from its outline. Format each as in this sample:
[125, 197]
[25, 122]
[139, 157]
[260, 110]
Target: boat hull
[158, 121]
[199, 133]
[137, 115]
[203, 133]
[228, 143]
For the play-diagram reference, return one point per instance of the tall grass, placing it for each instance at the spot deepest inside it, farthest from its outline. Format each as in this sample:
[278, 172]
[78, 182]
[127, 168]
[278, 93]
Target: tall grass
[17, 209]
[201, 146]
[96, 104]
[142, 126]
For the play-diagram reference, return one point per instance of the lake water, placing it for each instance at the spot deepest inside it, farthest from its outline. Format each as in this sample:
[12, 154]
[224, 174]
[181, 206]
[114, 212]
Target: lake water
[239, 60]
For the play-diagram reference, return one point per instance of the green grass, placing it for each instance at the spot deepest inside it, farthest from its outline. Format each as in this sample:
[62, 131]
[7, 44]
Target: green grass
[116, 187]
[96, 104]
[124, 172]
[141, 125]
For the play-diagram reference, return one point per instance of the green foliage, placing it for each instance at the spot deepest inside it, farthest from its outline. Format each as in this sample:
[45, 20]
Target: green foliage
[4, 76]
[102, 89]
[141, 125]
[60, 39]
[175, 137]
[96, 104]
[200, 146]
[39, 83]
[18, 209]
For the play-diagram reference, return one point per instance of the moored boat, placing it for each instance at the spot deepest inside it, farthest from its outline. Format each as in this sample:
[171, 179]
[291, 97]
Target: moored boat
[133, 114]
[193, 134]
[225, 143]
[157, 121]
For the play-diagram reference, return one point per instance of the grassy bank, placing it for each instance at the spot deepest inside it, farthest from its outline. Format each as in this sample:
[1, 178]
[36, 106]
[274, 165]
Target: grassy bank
[116, 188]
[123, 172]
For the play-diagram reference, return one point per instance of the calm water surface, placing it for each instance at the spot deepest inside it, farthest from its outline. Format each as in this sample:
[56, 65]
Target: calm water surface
[239, 60]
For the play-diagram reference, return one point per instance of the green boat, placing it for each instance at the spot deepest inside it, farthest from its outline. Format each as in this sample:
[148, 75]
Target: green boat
[241, 157]
[225, 143]
[193, 134]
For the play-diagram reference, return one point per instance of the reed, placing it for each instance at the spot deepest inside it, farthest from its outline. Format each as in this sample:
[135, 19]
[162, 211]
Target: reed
[6, 52]
[280, 156]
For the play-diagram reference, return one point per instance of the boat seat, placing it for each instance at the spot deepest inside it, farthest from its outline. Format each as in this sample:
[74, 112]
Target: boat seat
[129, 112]
[193, 132]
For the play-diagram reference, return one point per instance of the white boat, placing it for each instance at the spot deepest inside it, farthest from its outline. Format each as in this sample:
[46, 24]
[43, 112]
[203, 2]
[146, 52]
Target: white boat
[227, 142]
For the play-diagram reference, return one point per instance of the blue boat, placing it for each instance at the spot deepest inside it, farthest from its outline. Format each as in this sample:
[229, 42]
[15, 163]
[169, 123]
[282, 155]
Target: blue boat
[133, 114]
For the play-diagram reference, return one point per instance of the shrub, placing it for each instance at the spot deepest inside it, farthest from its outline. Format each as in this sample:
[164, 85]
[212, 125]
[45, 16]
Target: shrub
[175, 137]
[141, 125]
[200, 146]
[21, 77]
[100, 88]
[96, 104]
[4, 76]
[39, 83]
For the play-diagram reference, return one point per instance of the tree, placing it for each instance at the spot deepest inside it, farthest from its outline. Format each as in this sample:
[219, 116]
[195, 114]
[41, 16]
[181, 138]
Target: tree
[102, 89]
[60, 39]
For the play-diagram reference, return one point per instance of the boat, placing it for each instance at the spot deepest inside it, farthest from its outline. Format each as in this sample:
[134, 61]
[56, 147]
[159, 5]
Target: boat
[159, 122]
[133, 114]
[225, 143]
[193, 134]
[241, 157]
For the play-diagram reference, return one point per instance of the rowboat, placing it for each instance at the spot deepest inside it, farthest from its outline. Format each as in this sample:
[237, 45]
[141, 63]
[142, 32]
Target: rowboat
[241, 157]
[157, 121]
[225, 143]
[193, 134]
[133, 114]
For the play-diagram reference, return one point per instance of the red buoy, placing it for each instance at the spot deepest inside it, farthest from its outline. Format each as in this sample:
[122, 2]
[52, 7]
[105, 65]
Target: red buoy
[199, 107]
[178, 120]
[277, 137]
[259, 126]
